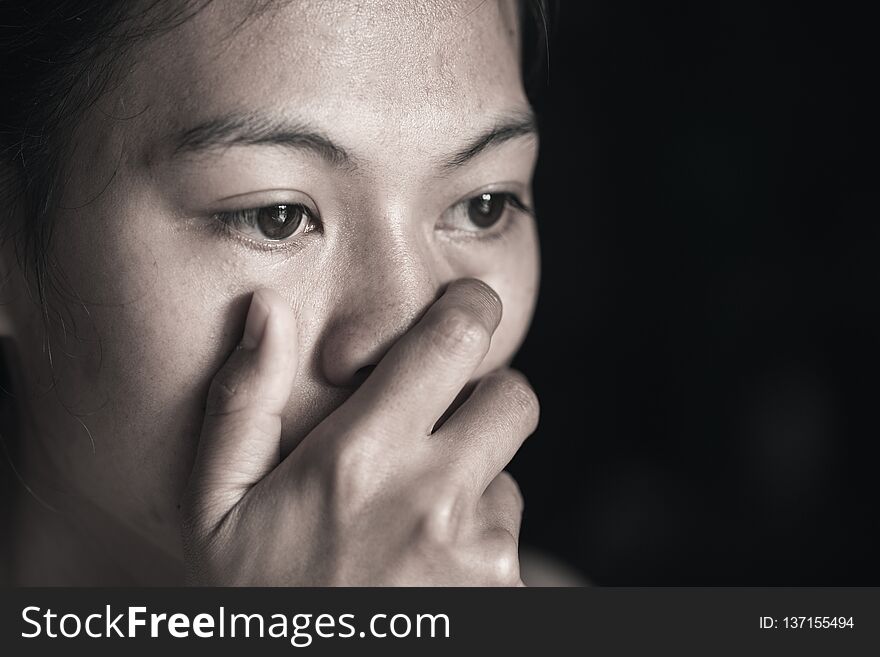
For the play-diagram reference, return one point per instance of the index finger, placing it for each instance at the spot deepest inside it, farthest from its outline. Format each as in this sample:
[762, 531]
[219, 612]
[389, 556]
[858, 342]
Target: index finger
[424, 371]
[484, 434]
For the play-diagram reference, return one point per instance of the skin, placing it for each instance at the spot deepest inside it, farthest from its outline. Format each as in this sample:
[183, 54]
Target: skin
[169, 451]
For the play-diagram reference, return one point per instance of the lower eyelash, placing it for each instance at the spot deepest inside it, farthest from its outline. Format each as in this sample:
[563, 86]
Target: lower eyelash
[502, 229]
[225, 226]
[508, 223]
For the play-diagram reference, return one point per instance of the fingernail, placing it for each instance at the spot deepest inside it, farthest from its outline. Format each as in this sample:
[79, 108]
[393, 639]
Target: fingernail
[255, 326]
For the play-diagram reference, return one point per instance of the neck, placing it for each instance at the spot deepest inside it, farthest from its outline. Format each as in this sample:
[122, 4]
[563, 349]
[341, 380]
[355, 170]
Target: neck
[51, 534]
[61, 540]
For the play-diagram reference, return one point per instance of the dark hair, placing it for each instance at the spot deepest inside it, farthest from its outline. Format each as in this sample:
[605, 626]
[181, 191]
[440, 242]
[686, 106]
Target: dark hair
[59, 59]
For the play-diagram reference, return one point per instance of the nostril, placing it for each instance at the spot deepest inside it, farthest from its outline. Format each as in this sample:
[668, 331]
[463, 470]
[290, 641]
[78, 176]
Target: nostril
[361, 375]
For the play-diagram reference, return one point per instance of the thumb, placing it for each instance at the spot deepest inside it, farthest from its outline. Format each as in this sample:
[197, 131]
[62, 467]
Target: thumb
[241, 434]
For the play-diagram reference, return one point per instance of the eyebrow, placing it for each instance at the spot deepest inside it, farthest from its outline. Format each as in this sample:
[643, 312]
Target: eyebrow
[513, 126]
[254, 130]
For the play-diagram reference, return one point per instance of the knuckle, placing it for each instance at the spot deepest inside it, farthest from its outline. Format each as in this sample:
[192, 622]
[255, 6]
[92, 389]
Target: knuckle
[221, 392]
[348, 475]
[460, 333]
[226, 392]
[437, 517]
[504, 562]
[521, 397]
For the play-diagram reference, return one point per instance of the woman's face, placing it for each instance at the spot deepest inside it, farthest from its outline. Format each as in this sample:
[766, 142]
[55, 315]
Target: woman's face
[374, 123]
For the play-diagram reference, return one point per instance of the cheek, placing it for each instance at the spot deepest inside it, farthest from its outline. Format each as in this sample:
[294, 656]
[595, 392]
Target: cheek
[136, 387]
[513, 271]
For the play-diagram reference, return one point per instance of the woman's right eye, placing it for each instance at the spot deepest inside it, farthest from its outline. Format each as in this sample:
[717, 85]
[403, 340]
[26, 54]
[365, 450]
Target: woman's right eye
[271, 223]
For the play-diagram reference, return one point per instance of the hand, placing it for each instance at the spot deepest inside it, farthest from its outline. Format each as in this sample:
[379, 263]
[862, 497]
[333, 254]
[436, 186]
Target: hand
[370, 496]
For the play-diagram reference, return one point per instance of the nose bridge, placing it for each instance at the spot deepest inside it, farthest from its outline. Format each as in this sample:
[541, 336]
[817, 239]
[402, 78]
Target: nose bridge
[402, 274]
[389, 281]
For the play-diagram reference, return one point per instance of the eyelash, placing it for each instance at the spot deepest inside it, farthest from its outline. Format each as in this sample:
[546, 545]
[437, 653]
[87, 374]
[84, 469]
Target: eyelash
[229, 223]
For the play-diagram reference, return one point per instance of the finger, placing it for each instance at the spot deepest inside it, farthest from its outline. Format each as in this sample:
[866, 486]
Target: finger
[423, 372]
[502, 505]
[497, 559]
[240, 440]
[487, 430]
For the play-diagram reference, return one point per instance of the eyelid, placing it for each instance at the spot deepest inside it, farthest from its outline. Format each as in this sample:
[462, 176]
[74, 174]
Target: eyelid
[264, 198]
[230, 219]
[515, 194]
[232, 228]
[518, 203]
[511, 188]
[456, 215]
[236, 217]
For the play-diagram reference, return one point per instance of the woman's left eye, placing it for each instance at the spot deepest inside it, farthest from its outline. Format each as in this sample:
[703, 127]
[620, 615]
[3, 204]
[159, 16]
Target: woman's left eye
[483, 211]
[270, 223]
[486, 209]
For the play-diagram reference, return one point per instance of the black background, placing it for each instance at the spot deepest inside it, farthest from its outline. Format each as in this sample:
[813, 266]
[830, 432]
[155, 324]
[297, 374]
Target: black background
[704, 344]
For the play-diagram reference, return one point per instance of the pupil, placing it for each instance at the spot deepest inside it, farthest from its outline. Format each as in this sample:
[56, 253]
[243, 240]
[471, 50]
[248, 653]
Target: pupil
[485, 209]
[279, 221]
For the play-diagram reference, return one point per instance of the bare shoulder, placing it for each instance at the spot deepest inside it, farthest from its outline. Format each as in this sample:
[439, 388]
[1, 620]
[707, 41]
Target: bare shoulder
[541, 569]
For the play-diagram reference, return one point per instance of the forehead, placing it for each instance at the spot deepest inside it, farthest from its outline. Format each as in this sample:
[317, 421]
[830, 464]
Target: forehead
[379, 66]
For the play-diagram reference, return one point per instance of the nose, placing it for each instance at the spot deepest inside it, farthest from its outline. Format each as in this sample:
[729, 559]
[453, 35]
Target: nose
[385, 295]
